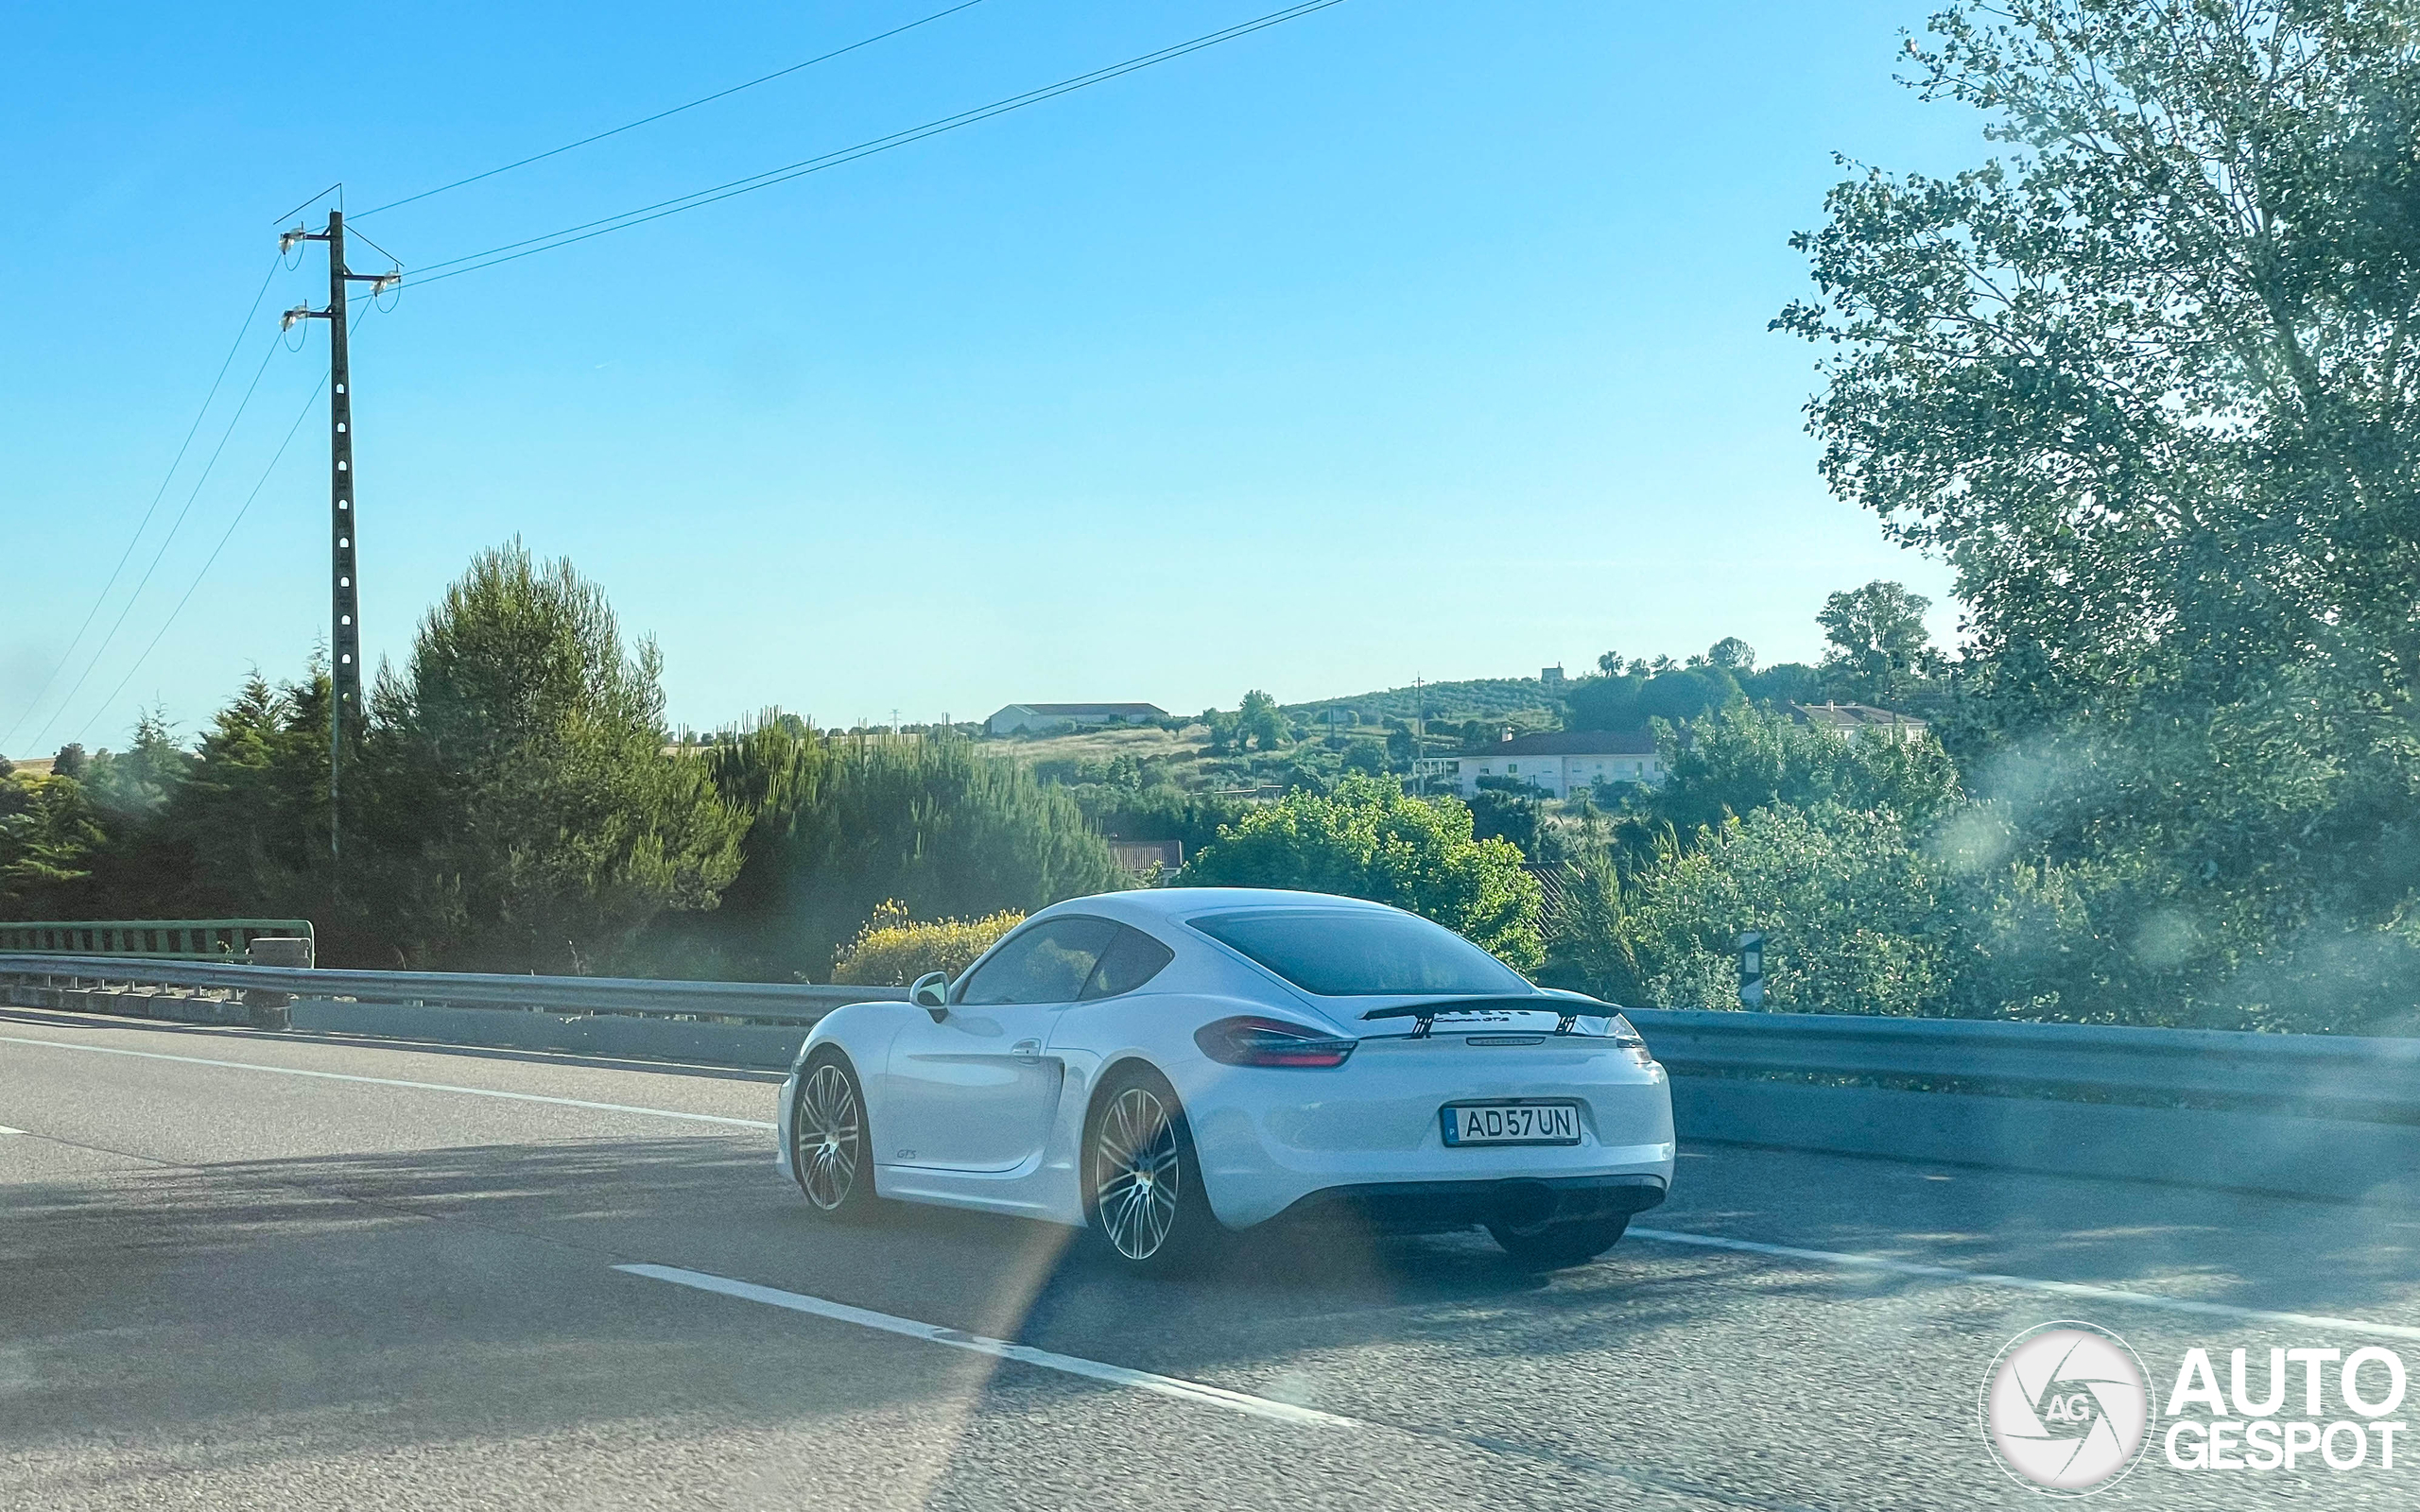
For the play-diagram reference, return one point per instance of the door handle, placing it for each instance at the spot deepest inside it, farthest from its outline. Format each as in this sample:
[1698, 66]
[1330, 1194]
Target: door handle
[1027, 1049]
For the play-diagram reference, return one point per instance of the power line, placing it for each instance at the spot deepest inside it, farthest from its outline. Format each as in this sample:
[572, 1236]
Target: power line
[530, 246]
[649, 120]
[337, 189]
[102, 646]
[225, 536]
[158, 493]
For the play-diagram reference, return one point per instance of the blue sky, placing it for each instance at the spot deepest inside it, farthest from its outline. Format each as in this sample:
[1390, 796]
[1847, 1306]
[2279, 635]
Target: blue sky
[1407, 337]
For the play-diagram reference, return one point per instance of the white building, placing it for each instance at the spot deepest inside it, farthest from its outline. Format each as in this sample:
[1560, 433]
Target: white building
[1563, 764]
[1857, 721]
[1051, 716]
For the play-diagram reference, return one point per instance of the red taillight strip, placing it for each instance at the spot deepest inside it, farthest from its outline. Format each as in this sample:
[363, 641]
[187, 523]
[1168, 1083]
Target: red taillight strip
[1251, 1041]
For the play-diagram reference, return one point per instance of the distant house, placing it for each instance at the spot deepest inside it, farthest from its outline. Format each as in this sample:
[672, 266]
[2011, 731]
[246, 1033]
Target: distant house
[1857, 721]
[1145, 858]
[1561, 763]
[1047, 717]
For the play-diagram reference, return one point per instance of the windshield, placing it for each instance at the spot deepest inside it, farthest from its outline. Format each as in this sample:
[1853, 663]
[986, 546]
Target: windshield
[1350, 954]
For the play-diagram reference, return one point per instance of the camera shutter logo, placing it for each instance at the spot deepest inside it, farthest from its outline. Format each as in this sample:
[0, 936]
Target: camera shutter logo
[2066, 1408]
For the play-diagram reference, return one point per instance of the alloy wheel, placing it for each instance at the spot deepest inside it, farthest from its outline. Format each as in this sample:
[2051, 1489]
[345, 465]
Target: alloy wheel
[1136, 1174]
[830, 1136]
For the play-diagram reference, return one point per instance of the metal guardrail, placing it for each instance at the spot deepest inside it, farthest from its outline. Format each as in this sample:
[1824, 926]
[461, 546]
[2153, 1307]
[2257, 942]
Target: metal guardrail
[2329, 1076]
[2324, 1116]
[208, 939]
[741, 1002]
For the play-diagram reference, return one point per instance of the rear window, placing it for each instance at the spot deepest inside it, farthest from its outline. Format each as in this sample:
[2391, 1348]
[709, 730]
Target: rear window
[1342, 954]
[1132, 958]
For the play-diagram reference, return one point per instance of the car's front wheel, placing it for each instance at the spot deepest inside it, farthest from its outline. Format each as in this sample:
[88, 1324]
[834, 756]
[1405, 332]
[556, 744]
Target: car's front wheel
[1144, 1204]
[1554, 1245]
[829, 1147]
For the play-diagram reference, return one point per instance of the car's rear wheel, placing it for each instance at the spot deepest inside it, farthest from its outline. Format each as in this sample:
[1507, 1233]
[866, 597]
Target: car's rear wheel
[1554, 1245]
[829, 1146]
[1144, 1204]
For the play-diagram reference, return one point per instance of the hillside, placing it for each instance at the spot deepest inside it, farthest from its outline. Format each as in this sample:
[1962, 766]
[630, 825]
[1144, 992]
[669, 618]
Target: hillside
[1471, 698]
[1180, 749]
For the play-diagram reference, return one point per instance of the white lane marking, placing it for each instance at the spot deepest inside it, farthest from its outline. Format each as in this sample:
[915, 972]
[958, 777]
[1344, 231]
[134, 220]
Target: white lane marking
[390, 1081]
[5, 1129]
[1116, 1375]
[2029, 1283]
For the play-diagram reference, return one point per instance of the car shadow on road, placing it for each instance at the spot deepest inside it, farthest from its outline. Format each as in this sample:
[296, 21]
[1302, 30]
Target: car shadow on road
[162, 1244]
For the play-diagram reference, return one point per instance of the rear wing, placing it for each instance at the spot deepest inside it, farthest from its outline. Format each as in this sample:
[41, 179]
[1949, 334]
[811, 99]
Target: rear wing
[1566, 1007]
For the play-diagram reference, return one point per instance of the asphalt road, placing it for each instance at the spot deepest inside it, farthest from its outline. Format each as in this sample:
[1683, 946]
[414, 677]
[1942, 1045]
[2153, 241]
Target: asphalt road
[391, 1283]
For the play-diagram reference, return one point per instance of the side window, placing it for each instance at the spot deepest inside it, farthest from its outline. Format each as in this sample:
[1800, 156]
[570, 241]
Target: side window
[1047, 963]
[1132, 958]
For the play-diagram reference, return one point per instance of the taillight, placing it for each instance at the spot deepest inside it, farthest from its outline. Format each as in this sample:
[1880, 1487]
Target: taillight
[1247, 1040]
[1623, 1035]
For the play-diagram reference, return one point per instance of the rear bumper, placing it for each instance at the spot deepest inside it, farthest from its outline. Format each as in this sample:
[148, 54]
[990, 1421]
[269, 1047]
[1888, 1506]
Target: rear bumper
[1414, 1207]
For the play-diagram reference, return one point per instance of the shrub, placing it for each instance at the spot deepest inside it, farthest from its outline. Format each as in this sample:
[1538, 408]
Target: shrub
[842, 825]
[894, 950]
[1366, 839]
[1851, 912]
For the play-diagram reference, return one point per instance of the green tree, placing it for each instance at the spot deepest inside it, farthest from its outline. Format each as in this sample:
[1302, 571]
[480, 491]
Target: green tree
[1606, 701]
[1744, 759]
[1261, 721]
[1733, 655]
[246, 829]
[138, 781]
[1879, 647]
[1367, 840]
[1685, 693]
[2148, 385]
[1852, 914]
[843, 825]
[1783, 682]
[521, 807]
[50, 838]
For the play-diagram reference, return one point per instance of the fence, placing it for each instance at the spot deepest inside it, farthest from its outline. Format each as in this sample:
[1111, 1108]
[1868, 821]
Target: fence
[2309, 1115]
[156, 938]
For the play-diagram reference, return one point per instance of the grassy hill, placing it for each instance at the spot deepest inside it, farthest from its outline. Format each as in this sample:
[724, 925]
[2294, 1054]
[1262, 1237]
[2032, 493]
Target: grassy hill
[1471, 698]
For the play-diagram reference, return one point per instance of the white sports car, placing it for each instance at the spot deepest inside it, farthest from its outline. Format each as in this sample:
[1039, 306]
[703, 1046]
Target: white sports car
[1161, 1066]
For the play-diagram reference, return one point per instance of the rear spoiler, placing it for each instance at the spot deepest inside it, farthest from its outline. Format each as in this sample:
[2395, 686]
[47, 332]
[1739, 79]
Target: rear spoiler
[1566, 1007]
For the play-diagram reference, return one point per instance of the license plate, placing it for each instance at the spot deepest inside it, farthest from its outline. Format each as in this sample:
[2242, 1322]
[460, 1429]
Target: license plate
[1510, 1123]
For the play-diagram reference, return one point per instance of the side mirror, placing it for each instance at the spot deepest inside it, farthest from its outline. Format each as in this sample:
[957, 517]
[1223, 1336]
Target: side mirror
[930, 992]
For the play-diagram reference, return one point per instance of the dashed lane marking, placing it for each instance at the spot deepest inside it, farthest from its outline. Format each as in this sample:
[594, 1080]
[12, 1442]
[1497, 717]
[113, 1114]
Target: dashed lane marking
[2030, 1283]
[1116, 1375]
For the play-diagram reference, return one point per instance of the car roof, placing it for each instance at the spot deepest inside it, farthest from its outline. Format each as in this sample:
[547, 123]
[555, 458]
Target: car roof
[1169, 906]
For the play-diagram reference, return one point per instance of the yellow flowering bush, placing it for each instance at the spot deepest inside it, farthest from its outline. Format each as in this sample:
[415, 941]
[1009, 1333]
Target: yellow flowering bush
[892, 950]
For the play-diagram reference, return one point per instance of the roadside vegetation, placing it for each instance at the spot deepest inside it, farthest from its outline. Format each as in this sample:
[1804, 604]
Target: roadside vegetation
[2145, 381]
[892, 950]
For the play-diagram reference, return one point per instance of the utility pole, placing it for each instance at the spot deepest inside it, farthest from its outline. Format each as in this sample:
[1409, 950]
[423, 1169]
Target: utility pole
[344, 605]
